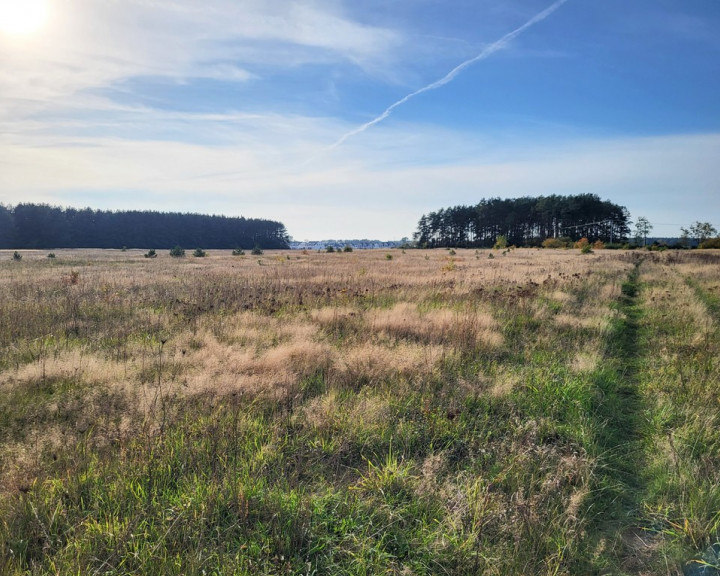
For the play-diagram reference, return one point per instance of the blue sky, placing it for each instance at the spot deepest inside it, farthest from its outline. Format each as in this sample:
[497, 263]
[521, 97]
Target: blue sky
[255, 107]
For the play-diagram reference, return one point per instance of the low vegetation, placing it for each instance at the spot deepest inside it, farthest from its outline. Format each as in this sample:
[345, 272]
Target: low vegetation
[527, 412]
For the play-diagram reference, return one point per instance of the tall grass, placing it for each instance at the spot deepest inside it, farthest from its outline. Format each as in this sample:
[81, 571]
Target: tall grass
[543, 413]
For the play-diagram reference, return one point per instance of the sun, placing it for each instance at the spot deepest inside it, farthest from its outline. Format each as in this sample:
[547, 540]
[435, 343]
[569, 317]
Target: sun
[22, 17]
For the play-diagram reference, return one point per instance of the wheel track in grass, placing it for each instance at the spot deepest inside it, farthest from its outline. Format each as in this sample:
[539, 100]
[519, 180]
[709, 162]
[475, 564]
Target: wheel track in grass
[711, 301]
[626, 410]
[615, 510]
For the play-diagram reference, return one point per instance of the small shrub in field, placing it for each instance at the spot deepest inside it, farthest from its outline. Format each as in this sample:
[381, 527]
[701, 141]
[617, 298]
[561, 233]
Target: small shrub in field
[177, 252]
[257, 251]
[452, 252]
[586, 249]
[329, 249]
[51, 255]
[599, 245]
[151, 254]
[491, 256]
[388, 256]
[348, 248]
[238, 252]
[17, 256]
[501, 242]
[199, 253]
[710, 243]
[555, 243]
[123, 249]
[582, 243]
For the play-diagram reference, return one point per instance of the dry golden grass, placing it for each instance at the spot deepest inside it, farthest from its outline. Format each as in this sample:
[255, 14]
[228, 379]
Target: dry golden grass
[465, 390]
[261, 324]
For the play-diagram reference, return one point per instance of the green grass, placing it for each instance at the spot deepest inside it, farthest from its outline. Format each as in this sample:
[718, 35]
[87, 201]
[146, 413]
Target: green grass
[493, 461]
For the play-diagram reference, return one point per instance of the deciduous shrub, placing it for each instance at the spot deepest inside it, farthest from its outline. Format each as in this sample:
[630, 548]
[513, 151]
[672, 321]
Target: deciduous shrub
[177, 252]
[553, 243]
[199, 253]
[582, 243]
[257, 251]
[151, 254]
[710, 243]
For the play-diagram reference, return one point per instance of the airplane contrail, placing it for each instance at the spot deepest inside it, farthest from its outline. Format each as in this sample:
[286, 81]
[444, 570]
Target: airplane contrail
[488, 51]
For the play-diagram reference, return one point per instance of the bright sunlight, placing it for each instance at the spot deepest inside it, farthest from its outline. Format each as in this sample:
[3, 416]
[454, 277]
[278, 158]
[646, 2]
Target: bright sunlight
[22, 17]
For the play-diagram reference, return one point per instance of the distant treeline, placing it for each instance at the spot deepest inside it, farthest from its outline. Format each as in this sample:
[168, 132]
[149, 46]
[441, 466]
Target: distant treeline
[42, 226]
[524, 221]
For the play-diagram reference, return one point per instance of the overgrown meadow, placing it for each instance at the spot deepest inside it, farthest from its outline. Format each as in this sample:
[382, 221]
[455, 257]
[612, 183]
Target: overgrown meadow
[419, 412]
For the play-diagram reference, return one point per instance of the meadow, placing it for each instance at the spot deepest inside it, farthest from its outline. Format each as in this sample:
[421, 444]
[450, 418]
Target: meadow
[412, 412]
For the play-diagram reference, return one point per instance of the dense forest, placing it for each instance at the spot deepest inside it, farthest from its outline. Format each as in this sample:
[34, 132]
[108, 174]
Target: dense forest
[524, 221]
[43, 226]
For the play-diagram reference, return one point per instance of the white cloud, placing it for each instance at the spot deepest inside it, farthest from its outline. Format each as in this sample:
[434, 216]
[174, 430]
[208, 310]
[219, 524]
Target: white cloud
[359, 191]
[94, 44]
[62, 141]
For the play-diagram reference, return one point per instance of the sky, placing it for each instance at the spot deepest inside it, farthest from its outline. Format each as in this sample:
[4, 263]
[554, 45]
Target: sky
[347, 119]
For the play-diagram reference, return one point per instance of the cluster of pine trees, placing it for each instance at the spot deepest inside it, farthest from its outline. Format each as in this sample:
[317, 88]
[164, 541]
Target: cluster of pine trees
[525, 221]
[42, 226]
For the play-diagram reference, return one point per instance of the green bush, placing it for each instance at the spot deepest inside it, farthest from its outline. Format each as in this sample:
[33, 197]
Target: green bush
[17, 256]
[388, 256]
[329, 249]
[151, 254]
[199, 253]
[177, 252]
[257, 251]
[348, 248]
[51, 255]
[501, 242]
[710, 243]
[238, 252]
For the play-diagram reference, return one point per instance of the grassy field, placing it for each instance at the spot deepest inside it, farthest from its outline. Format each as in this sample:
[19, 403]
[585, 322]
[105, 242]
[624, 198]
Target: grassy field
[380, 412]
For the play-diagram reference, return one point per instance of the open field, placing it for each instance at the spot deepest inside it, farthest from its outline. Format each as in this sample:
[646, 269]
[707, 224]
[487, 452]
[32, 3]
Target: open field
[379, 412]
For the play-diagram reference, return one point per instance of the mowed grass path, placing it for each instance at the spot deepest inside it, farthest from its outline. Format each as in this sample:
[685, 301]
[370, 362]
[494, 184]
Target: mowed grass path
[540, 412]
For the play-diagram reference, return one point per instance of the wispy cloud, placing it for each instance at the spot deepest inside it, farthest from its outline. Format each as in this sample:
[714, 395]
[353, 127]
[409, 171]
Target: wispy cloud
[450, 76]
[95, 44]
[214, 106]
[242, 176]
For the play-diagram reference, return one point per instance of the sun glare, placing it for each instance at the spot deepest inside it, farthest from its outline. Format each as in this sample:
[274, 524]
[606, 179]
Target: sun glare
[22, 17]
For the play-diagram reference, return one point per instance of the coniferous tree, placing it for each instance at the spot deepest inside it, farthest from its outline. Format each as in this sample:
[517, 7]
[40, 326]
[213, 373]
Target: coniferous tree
[43, 226]
[525, 221]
